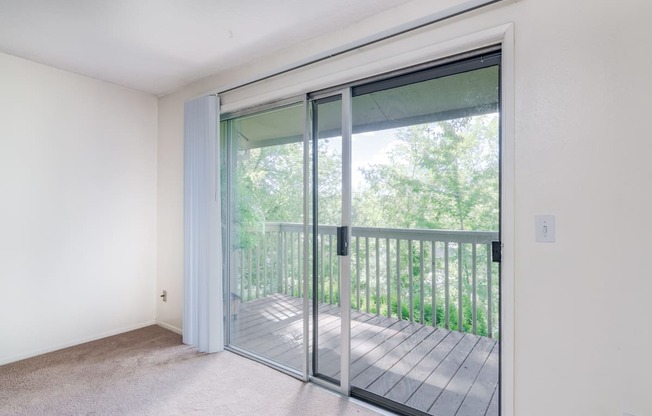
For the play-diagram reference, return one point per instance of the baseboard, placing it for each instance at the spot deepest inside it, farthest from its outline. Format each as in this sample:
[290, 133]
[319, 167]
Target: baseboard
[169, 327]
[77, 341]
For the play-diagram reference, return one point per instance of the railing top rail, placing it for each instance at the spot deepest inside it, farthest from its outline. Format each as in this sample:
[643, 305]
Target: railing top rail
[415, 234]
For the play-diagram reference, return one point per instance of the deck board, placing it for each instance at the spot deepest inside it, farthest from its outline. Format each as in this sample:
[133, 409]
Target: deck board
[434, 370]
[492, 410]
[367, 349]
[415, 378]
[396, 373]
[450, 400]
[375, 371]
[438, 380]
[479, 397]
[361, 332]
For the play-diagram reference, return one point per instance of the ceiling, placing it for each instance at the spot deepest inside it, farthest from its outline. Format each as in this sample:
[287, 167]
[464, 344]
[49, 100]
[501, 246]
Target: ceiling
[157, 46]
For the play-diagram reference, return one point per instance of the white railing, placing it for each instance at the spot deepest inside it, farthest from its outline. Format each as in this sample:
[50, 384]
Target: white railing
[452, 275]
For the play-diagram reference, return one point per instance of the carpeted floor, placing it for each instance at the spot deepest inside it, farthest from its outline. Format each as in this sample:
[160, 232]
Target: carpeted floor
[149, 372]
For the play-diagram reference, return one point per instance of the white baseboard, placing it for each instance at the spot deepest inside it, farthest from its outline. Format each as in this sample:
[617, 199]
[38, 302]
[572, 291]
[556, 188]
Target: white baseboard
[77, 341]
[170, 327]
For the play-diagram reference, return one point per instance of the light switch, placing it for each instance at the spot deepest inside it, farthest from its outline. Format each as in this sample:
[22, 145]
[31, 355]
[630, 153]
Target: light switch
[545, 228]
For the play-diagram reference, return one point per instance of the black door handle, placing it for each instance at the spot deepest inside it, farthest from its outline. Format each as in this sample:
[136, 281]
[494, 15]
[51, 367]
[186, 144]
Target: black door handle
[496, 251]
[343, 241]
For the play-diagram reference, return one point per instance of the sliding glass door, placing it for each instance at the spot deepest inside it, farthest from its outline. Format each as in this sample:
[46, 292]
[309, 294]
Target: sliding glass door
[402, 300]
[264, 171]
[419, 199]
[425, 192]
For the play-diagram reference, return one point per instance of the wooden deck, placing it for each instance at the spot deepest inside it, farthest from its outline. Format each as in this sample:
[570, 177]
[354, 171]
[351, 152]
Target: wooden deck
[434, 370]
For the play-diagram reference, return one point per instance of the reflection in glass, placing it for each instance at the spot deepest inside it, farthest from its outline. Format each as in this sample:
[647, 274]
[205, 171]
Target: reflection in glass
[266, 239]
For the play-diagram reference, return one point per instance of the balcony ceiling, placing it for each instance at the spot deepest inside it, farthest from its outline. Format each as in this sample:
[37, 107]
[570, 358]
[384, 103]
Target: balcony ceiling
[158, 46]
[461, 95]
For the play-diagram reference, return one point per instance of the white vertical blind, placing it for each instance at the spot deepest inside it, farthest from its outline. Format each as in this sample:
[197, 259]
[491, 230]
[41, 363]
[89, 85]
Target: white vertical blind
[203, 325]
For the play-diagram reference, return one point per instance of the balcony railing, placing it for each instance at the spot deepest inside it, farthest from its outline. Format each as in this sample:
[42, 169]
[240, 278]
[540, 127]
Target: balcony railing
[433, 277]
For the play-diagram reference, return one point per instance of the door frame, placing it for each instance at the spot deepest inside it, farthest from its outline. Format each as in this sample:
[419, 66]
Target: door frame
[506, 229]
[502, 36]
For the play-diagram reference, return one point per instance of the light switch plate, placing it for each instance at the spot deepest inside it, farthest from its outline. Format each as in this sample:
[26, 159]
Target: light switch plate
[544, 228]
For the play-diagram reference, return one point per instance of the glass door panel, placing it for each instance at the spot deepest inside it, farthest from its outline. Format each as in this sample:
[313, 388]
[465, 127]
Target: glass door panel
[425, 192]
[265, 156]
[327, 214]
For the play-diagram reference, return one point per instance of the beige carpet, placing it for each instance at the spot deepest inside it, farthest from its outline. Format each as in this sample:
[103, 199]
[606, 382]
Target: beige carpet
[149, 372]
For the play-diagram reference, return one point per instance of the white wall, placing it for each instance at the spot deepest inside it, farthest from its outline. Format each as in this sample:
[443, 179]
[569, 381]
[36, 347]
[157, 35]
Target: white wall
[582, 153]
[77, 208]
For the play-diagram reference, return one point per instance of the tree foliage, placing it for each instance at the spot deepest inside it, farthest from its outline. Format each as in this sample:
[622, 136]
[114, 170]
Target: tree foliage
[269, 188]
[439, 176]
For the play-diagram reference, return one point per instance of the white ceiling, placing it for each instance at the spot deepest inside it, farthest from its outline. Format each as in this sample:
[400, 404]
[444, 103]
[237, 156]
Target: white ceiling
[158, 46]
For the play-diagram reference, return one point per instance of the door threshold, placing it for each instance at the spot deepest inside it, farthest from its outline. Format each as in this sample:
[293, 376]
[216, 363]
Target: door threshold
[334, 390]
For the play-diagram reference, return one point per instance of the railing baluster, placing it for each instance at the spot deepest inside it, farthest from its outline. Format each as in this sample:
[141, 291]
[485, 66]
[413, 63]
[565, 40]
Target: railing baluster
[366, 265]
[447, 317]
[357, 273]
[377, 277]
[339, 281]
[433, 273]
[474, 292]
[330, 266]
[279, 262]
[323, 265]
[410, 283]
[265, 257]
[399, 311]
[243, 276]
[299, 274]
[286, 271]
[250, 255]
[389, 280]
[460, 311]
[242, 272]
[257, 271]
[291, 264]
[421, 288]
[489, 306]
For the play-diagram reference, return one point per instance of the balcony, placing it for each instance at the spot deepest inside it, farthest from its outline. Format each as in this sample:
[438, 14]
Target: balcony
[424, 329]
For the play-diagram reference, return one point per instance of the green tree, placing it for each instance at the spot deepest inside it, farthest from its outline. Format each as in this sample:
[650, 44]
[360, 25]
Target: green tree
[439, 176]
[269, 188]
